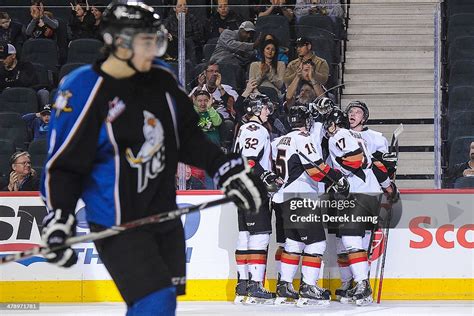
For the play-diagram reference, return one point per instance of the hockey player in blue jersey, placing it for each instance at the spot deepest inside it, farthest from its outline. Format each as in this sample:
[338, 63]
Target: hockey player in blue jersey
[117, 131]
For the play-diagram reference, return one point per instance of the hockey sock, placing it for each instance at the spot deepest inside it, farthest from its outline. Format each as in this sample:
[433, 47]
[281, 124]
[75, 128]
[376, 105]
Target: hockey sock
[359, 265]
[162, 302]
[310, 267]
[344, 267]
[289, 265]
[278, 253]
[241, 257]
[257, 262]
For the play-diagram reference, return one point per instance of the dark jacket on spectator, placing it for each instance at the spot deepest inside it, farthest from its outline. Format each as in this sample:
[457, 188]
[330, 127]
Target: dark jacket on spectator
[48, 30]
[456, 171]
[84, 29]
[36, 125]
[231, 22]
[13, 35]
[194, 28]
[23, 75]
[31, 183]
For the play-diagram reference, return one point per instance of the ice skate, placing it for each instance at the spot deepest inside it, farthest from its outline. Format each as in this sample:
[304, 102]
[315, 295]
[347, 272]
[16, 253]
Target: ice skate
[313, 295]
[362, 293]
[285, 294]
[345, 292]
[257, 294]
[241, 291]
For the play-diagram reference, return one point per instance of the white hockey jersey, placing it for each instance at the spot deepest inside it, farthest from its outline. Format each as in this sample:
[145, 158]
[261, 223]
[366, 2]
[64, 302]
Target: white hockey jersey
[253, 142]
[317, 135]
[299, 174]
[352, 158]
[374, 141]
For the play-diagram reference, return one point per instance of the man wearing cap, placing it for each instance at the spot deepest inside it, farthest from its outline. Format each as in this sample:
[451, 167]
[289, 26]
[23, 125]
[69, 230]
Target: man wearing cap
[236, 46]
[14, 73]
[38, 123]
[304, 50]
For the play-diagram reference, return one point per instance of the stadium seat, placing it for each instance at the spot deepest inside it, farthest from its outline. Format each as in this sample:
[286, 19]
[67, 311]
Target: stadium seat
[461, 123]
[459, 151]
[19, 100]
[460, 98]
[454, 8]
[38, 150]
[7, 148]
[67, 68]
[232, 75]
[62, 40]
[208, 49]
[461, 48]
[41, 51]
[309, 22]
[461, 24]
[464, 183]
[240, 7]
[84, 50]
[13, 128]
[276, 25]
[461, 73]
[322, 48]
[45, 76]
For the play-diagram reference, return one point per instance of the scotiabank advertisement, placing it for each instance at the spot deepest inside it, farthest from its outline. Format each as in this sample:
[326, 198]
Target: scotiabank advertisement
[429, 253]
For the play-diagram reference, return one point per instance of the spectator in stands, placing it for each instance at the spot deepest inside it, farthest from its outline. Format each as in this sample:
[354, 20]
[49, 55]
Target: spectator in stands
[276, 7]
[236, 46]
[22, 176]
[82, 21]
[224, 95]
[465, 169]
[14, 73]
[194, 30]
[38, 123]
[97, 10]
[193, 183]
[331, 8]
[42, 24]
[304, 50]
[282, 51]
[224, 19]
[209, 118]
[268, 72]
[242, 100]
[11, 31]
[304, 88]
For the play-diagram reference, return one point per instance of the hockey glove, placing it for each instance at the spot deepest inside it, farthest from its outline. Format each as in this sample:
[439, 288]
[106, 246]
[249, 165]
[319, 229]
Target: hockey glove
[272, 182]
[57, 227]
[390, 161]
[341, 188]
[236, 179]
[392, 193]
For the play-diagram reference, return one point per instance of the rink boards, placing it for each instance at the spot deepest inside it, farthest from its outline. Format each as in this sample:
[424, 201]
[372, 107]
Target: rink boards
[422, 263]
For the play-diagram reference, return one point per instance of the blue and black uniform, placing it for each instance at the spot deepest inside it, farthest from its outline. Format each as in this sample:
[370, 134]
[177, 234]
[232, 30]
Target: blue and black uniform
[116, 143]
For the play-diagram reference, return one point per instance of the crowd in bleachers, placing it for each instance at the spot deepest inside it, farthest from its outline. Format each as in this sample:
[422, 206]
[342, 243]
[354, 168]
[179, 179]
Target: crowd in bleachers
[460, 94]
[288, 51]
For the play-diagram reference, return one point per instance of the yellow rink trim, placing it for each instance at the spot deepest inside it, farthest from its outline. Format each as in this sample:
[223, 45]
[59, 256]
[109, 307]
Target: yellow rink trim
[222, 290]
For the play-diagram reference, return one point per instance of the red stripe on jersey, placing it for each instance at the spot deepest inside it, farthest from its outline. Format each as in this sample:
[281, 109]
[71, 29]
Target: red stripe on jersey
[318, 175]
[311, 264]
[380, 166]
[241, 261]
[257, 261]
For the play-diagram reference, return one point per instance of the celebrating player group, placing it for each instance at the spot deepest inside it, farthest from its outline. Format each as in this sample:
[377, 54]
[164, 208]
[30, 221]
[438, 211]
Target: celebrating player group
[329, 155]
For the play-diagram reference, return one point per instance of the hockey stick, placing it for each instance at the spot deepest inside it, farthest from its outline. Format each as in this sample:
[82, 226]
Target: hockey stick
[386, 230]
[115, 230]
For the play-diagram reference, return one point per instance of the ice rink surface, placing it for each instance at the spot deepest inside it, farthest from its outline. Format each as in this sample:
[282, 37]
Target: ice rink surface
[433, 308]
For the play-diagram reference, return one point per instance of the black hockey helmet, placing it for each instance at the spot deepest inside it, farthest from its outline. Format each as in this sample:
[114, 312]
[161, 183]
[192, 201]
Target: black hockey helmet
[126, 18]
[321, 106]
[298, 116]
[362, 106]
[336, 118]
[256, 105]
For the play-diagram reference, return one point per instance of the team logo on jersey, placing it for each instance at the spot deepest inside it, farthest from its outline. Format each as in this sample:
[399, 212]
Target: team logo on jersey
[116, 107]
[150, 160]
[61, 103]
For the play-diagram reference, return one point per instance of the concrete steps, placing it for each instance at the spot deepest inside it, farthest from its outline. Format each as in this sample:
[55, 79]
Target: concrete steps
[389, 65]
